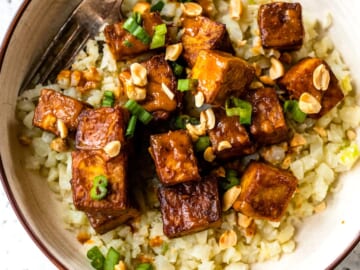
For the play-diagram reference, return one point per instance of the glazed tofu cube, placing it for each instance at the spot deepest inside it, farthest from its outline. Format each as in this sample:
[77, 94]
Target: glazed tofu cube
[104, 223]
[228, 129]
[54, 106]
[157, 101]
[98, 127]
[300, 79]
[174, 157]
[202, 33]
[265, 191]
[190, 207]
[220, 75]
[281, 26]
[268, 125]
[123, 44]
[86, 165]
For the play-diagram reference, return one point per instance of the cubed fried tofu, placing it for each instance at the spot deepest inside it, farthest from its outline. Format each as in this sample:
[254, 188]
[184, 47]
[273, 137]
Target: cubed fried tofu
[156, 101]
[228, 129]
[54, 106]
[281, 26]
[203, 33]
[190, 207]
[98, 127]
[268, 125]
[104, 223]
[174, 157]
[265, 191]
[125, 45]
[220, 75]
[86, 165]
[300, 79]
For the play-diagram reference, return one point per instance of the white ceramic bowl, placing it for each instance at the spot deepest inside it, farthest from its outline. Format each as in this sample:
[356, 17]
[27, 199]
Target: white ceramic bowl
[323, 240]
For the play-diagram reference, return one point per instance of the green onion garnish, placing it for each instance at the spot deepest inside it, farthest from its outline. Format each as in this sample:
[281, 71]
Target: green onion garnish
[186, 84]
[142, 35]
[181, 120]
[96, 257]
[135, 109]
[291, 108]
[131, 127]
[177, 69]
[108, 99]
[112, 259]
[144, 266]
[202, 143]
[158, 40]
[157, 7]
[137, 17]
[241, 108]
[99, 188]
[231, 179]
[132, 25]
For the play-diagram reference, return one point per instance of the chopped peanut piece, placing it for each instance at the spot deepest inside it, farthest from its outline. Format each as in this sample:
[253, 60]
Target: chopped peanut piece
[321, 77]
[209, 155]
[244, 221]
[230, 197]
[138, 74]
[63, 130]
[173, 51]
[297, 140]
[309, 104]
[113, 148]
[228, 239]
[142, 7]
[276, 70]
[199, 99]
[223, 145]
[191, 9]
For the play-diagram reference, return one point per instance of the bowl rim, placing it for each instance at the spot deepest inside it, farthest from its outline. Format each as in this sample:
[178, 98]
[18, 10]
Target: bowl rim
[10, 195]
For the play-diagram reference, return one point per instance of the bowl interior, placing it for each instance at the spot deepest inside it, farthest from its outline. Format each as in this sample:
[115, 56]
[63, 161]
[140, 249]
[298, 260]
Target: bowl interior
[321, 239]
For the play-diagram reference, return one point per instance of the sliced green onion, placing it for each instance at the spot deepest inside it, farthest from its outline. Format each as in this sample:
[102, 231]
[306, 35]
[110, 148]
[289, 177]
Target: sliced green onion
[161, 29]
[159, 37]
[177, 69]
[231, 179]
[202, 143]
[181, 120]
[186, 84]
[99, 188]
[133, 26]
[130, 24]
[96, 257]
[291, 108]
[242, 108]
[141, 35]
[135, 109]
[108, 99]
[131, 126]
[137, 17]
[157, 7]
[112, 259]
[157, 41]
[144, 266]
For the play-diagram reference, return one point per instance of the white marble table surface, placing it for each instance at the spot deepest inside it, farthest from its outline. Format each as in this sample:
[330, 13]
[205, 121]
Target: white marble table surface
[17, 251]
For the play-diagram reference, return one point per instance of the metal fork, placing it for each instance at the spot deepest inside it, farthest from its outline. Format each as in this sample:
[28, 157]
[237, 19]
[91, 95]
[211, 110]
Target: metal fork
[83, 23]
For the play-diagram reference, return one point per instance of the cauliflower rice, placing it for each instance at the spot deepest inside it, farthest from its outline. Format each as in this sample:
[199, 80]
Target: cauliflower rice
[324, 148]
